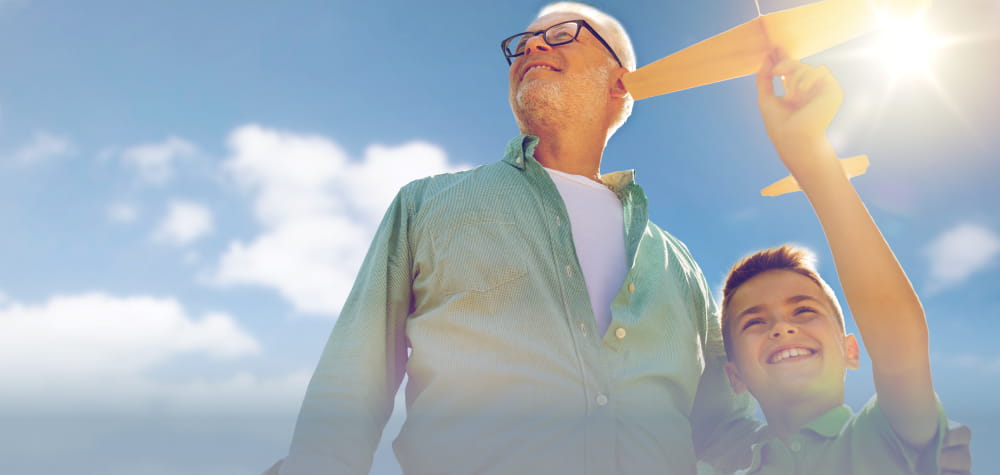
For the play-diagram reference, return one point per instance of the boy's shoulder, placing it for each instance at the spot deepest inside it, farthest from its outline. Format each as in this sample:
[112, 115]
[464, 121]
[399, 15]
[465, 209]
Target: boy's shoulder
[841, 441]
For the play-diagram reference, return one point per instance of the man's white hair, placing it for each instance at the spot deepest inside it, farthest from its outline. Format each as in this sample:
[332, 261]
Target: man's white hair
[614, 33]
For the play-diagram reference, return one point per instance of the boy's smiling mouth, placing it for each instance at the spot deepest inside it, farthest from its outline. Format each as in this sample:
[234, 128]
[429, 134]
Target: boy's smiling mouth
[790, 354]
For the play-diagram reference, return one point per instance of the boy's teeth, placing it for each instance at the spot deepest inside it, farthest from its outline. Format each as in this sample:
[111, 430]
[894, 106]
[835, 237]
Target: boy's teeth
[789, 353]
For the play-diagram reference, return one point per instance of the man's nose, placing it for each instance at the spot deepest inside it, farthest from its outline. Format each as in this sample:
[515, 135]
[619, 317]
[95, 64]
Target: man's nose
[536, 42]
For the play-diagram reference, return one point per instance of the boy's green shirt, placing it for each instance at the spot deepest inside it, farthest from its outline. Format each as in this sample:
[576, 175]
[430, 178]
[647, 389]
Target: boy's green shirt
[839, 442]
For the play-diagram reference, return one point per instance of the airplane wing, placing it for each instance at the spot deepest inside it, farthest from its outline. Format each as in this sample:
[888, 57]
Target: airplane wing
[853, 166]
[800, 31]
[740, 51]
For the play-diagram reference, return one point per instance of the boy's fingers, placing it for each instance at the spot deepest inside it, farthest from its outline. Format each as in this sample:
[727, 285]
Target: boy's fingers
[778, 55]
[793, 82]
[764, 76]
[786, 66]
[808, 80]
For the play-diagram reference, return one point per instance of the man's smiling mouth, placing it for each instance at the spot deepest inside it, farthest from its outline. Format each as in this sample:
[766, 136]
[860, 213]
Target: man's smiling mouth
[537, 66]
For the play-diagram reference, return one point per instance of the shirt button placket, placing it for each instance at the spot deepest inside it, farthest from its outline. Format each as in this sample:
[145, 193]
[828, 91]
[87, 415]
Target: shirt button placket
[795, 445]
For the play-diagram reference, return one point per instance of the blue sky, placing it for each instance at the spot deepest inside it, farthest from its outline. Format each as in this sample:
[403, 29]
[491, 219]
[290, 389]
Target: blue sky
[187, 188]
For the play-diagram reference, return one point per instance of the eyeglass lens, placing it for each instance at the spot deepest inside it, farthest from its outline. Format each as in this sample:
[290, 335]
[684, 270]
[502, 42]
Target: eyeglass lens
[555, 35]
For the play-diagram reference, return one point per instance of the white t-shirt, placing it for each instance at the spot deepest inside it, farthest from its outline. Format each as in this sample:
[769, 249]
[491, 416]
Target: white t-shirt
[595, 215]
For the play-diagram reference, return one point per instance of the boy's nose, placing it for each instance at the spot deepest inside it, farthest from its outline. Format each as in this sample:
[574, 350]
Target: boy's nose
[782, 329]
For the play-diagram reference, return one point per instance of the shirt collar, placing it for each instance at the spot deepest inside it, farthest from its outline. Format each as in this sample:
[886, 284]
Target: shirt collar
[521, 149]
[827, 426]
[831, 423]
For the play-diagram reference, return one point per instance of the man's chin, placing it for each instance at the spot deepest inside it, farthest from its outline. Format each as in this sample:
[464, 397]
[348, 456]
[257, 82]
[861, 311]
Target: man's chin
[535, 104]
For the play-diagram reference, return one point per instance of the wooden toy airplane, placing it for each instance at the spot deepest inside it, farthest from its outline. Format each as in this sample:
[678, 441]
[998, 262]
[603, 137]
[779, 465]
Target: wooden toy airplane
[800, 31]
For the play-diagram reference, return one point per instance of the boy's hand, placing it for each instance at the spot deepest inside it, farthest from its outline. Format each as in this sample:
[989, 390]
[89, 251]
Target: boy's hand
[796, 121]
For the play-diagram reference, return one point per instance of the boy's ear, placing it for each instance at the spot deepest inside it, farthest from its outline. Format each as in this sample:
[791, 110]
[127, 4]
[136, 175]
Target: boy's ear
[734, 378]
[851, 351]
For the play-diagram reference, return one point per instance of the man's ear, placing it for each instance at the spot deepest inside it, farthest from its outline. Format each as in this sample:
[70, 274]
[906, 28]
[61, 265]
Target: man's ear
[618, 90]
[735, 380]
[851, 351]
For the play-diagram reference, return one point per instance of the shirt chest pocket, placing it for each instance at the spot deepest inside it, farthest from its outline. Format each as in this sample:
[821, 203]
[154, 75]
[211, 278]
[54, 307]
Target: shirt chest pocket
[480, 253]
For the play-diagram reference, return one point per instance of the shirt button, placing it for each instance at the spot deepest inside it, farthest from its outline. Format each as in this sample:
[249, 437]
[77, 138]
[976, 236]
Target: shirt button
[795, 446]
[602, 400]
[569, 271]
[631, 287]
[620, 333]
[558, 221]
[583, 328]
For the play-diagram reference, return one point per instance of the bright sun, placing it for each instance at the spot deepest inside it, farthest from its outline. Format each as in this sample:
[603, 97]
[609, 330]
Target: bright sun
[907, 47]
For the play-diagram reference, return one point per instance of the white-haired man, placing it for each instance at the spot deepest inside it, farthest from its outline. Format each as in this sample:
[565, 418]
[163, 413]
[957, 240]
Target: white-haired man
[545, 325]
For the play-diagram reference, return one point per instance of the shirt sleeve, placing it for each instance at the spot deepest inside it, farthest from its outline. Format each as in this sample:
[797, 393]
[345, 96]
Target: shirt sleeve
[871, 422]
[350, 396]
[723, 424]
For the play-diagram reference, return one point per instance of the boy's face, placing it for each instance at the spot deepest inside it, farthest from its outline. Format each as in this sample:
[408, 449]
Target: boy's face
[786, 340]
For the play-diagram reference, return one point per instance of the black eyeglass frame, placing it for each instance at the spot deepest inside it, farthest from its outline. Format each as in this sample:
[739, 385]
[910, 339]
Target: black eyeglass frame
[545, 37]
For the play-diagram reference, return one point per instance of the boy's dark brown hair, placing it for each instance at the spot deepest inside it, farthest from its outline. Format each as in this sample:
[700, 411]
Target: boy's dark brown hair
[785, 257]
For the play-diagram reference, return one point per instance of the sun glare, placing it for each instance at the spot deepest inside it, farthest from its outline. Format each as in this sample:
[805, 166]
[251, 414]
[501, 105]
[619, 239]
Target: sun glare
[906, 47]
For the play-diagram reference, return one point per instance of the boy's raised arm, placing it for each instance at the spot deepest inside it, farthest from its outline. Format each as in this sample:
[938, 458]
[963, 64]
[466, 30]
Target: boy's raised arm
[885, 307]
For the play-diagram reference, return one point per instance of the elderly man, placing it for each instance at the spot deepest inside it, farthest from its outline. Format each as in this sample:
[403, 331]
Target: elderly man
[545, 325]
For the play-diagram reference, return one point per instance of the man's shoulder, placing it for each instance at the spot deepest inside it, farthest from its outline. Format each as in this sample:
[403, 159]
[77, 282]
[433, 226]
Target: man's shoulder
[662, 234]
[434, 198]
[671, 243]
[430, 186]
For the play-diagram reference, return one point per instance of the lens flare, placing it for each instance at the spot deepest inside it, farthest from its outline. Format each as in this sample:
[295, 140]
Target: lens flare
[907, 47]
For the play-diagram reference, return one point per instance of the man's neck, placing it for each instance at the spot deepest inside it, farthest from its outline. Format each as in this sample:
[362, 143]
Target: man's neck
[577, 154]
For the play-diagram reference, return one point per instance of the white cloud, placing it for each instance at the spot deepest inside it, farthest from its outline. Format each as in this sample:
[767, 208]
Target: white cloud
[185, 221]
[960, 252]
[43, 146]
[154, 162]
[123, 212]
[311, 261]
[98, 350]
[318, 209]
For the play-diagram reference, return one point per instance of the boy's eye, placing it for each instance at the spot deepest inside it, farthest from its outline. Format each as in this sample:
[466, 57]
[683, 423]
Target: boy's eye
[753, 321]
[805, 311]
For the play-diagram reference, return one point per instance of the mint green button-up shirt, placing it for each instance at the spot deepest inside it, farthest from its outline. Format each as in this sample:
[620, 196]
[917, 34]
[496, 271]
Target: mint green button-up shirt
[472, 288]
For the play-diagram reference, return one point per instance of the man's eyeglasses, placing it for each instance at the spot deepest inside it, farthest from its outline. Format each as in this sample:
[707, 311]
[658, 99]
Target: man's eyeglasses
[555, 35]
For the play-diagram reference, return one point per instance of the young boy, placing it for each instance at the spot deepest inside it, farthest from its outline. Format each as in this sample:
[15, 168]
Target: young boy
[784, 331]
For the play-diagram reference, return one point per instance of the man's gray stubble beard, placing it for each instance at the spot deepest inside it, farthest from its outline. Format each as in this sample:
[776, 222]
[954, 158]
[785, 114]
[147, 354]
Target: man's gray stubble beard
[545, 103]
